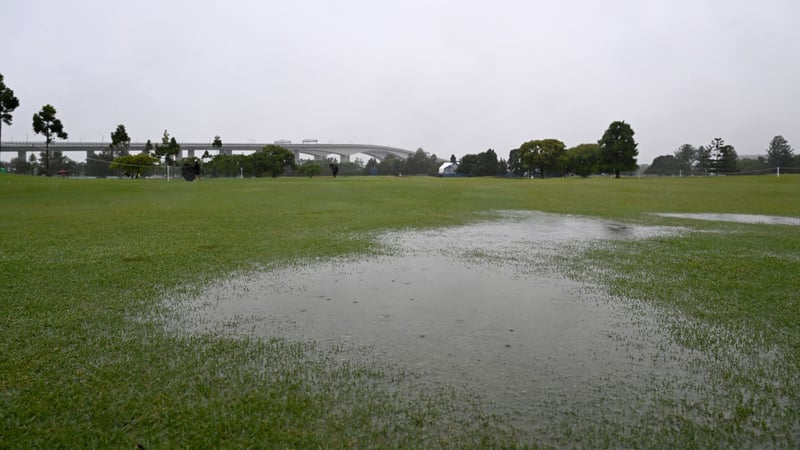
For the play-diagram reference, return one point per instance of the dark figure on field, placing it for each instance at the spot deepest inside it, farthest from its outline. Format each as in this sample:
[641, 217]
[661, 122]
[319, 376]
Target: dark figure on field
[187, 171]
[334, 169]
[197, 170]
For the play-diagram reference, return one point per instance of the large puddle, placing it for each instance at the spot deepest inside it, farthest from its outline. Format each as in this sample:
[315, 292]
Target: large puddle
[481, 307]
[738, 218]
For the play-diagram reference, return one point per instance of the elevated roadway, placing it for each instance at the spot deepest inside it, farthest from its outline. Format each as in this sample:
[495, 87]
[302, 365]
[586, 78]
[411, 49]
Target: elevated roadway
[190, 149]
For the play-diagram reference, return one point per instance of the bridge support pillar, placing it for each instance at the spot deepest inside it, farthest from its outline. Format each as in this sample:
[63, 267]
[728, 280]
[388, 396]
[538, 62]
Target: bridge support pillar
[344, 158]
[22, 155]
[190, 153]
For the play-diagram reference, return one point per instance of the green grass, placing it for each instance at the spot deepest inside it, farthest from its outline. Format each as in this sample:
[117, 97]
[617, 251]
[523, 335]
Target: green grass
[82, 259]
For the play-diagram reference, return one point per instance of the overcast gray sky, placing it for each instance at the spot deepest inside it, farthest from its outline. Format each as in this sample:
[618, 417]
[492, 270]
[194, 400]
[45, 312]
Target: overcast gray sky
[452, 77]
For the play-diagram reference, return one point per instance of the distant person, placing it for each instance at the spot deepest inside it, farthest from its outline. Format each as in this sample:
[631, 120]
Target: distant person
[196, 170]
[334, 169]
[187, 171]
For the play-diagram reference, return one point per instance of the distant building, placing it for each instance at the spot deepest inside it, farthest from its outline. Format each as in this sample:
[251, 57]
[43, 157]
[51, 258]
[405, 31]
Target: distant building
[448, 169]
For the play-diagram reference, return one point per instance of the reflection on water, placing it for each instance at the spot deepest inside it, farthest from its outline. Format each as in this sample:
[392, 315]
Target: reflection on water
[739, 218]
[474, 307]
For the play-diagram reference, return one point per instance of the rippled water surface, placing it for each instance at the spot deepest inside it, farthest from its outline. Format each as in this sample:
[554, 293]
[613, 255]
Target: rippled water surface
[481, 307]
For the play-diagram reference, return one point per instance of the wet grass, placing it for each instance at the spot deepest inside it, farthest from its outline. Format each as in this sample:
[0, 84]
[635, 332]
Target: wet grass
[738, 304]
[82, 259]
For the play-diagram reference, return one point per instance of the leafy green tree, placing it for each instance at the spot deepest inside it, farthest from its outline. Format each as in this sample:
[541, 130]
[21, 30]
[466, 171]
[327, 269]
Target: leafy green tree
[390, 165]
[688, 156]
[372, 167]
[272, 159]
[618, 150]
[309, 169]
[169, 149]
[544, 155]
[148, 148]
[704, 160]
[8, 103]
[46, 123]
[61, 163]
[217, 144]
[225, 166]
[665, 165]
[488, 165]
[21, 166]
[714, 152]
[416, 164]
[120, 141]
[433, 165]
[99, 164]
[502, 167]
[34, 164]
[753, 165]
[420, 163]
[468, 166]
[780, 153]
[515, 163]
[582, 159]
[136, 165]
[350, 168]
[484, 164]
[729, 160]
[719, 157]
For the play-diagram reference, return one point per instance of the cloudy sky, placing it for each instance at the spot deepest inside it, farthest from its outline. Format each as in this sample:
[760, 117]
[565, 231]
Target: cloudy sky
[451, 77]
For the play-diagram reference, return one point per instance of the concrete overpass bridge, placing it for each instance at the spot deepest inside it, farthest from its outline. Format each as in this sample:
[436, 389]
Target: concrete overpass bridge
[316, 150]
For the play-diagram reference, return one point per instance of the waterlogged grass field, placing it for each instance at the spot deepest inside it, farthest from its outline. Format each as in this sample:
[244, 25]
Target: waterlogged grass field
[84, 264]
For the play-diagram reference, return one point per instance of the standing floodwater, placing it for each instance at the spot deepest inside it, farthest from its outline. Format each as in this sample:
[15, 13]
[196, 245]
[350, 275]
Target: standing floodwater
[484, 308]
